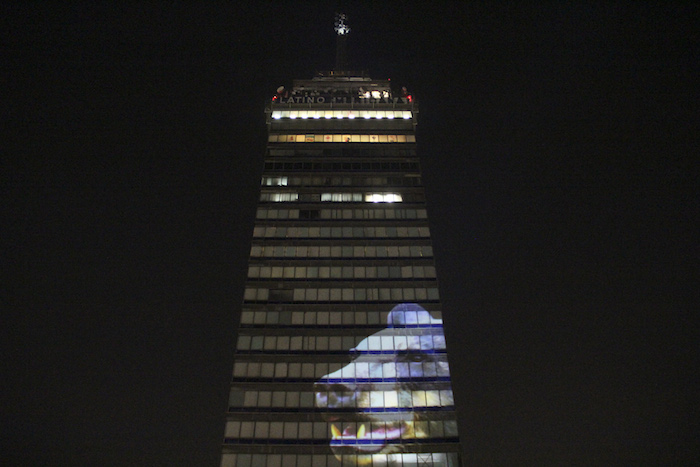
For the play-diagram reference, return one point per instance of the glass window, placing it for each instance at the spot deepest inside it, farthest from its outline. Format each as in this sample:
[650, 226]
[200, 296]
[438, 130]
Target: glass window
[262, 430]
[323, 295]
[307, 370]
[233, 429]
[295, 343]
[335, 343]
[450, 428]
[320, 431]
[243, 343]
[433, 294]
[290, 430]
[305, 432]
[251, 399]
[278, 398]
[270, 342]
[409, 294]
[267, 370]
[247, 429]
[250, 294]
[299, 295]
[247, 317]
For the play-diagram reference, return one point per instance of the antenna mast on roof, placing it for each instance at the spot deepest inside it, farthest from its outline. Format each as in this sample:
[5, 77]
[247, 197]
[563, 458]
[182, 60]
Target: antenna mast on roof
[342, 30]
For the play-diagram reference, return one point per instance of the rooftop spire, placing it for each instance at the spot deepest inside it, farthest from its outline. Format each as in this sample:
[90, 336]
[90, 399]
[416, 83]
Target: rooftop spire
[342, 30]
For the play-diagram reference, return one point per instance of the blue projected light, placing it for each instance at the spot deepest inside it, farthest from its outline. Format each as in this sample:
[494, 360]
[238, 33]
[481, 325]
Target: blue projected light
[401, 366]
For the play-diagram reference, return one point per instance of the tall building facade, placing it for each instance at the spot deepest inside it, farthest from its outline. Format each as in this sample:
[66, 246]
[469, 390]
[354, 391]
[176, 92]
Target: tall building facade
[341, 357]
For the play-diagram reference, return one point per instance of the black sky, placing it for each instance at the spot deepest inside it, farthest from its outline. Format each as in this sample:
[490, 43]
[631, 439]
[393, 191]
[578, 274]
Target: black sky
[559, 148]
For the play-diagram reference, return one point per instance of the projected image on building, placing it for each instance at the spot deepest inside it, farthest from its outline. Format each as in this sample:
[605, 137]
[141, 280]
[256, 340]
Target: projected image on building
[392, 395]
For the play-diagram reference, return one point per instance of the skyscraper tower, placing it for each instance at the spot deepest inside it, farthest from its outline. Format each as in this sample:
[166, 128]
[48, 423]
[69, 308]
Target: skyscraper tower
[341, 357]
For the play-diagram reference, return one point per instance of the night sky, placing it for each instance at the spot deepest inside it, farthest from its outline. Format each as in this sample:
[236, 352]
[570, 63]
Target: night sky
[559, 146]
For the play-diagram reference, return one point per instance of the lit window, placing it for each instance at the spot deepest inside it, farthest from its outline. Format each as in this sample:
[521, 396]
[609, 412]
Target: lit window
[279, 197]
[275, 181]
[383, 198]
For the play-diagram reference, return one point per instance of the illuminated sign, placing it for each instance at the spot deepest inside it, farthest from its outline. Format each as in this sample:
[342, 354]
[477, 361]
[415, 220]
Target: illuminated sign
[340, 138]
[328, 99]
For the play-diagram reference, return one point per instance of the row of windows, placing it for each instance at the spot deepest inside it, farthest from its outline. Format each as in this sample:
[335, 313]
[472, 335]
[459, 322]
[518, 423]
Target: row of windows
[323, 430]
[359, 399]
[341, 197]
[329, 166]
[325, 318]
[341, 114]
[339, 138]
[340, 232]
[341, 295]
[347, 251]
[389, 343]
[430, 372]
[341, 181]
[341, 272]
[443, 459]
[388, 213]
[341, 150]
